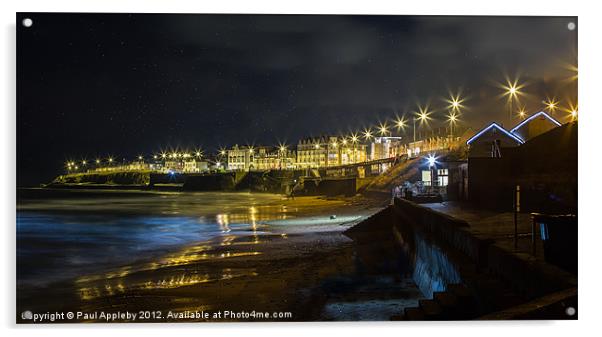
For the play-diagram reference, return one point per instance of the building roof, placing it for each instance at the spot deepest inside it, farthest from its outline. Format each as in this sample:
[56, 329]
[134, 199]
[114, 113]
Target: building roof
[496, 126]
[531, 118]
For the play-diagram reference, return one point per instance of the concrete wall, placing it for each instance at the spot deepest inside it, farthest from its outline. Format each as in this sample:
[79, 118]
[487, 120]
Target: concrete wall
[214, 182]
[383, 244]
[526, 277]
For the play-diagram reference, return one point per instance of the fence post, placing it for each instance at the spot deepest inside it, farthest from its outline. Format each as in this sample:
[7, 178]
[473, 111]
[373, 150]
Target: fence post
[516, 210]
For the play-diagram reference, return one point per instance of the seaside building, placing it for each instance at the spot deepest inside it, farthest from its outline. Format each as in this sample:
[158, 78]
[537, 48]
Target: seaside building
[327, 151]
[385, 147]
[273, 158]
[240, 158]
[534, 125]
[543, 170]
[428, 145]
[490, 142]
[314, 151]
[195, 166]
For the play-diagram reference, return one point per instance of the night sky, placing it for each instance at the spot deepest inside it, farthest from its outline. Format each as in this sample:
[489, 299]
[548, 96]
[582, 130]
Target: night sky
[93, 85]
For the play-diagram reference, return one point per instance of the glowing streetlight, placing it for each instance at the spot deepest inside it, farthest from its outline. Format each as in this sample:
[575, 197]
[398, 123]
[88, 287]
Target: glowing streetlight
[367, 134]
[400, 123]
[163, 155]
[140, 157]
[431, 160]
[423, 116]
[97, 161]
[573, 111]
[455, 102]
[84, 162]
[512, 90]
[383, 129]
[452, 118]
[110, 160]
[551, 105]
[522, 113]
[354, 138]
[155, 156]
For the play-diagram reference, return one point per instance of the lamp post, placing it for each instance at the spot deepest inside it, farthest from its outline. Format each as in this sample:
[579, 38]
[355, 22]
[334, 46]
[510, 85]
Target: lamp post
[522, 113]
[512, 90]
[452, 118]
[354, 140]
[282, 152]
[423, 116]
[551, 105]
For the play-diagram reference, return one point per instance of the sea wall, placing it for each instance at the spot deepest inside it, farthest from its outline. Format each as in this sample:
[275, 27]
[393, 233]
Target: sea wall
[525, 277]
[108, 178]
[385, 246]
[274, 181]
[447, 261]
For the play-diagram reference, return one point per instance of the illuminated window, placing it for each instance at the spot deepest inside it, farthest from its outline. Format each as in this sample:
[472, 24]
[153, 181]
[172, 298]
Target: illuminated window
[442, 177]
[426, 178]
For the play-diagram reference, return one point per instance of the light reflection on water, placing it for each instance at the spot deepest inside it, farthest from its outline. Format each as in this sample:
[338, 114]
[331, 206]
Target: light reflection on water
[115, 287]
[75, 238]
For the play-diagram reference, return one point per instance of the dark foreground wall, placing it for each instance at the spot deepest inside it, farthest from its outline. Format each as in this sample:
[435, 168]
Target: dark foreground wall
[444, 257]
[213, 182]
[386, 246]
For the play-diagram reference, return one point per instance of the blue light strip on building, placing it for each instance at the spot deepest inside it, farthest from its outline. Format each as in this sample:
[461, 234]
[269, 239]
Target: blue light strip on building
[494, 125]
[534, 116]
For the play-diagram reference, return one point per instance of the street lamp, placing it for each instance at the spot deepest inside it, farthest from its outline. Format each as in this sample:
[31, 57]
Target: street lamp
[573, 111]
[512, 91]
[354, 139]
[400, 123]
[522, 113]
[455, 103]
[551, 105]
[452, 118]
[383, 129]
[422, 116]
[367, 134]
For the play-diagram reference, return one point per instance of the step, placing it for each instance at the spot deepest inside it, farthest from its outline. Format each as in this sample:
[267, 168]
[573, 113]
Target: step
[413, 314]
[432, 310]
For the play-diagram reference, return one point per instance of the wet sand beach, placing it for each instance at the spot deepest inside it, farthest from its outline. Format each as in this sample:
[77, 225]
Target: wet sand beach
[264, 253]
